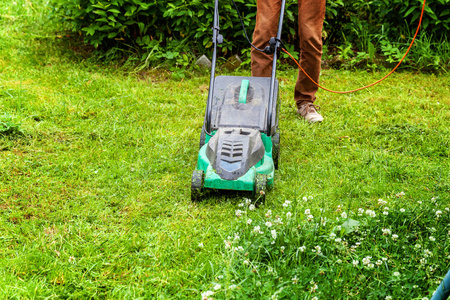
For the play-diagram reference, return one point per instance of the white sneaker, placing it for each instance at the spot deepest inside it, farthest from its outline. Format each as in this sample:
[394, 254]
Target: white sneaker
[309, 112]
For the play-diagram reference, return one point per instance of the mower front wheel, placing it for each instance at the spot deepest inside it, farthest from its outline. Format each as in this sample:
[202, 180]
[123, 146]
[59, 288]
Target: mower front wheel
[260, 187]
[197, 185]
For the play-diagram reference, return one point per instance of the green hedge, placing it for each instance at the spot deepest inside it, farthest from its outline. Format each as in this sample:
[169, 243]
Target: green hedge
[164, 29]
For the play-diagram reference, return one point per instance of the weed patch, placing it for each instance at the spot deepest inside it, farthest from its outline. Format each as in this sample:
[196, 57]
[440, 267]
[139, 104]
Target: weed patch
[9, 127]
[384, 250]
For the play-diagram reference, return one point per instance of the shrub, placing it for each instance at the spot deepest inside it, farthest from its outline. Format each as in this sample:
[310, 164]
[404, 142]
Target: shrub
[164, 29]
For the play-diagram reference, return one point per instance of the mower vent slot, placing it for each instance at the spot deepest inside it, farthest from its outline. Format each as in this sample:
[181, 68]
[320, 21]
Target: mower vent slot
[232, 150]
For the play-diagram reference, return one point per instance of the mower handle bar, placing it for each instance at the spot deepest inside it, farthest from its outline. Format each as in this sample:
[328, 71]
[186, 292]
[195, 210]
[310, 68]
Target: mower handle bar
[218, 39]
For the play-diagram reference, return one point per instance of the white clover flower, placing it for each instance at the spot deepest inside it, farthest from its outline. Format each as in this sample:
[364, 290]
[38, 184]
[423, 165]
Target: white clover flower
[307, 211]
[314, 298]
[423, 261]
[232, 287]
[388, 298]
[394, 237]
[268, 214]
[269, 224]
[339, 228]
[288, 215]
[370, 213]
[355, 262]
[240, 248]
[432, 238]
[310, 218]
[310, 197]
[344, 215]
[323, 221]
[427, 253]
[402, 210]
[294, 280]
[385, 213]
[200, 245]
[227, 244]
[241, 204]
[206, 294]
[379, 262]
[366, 260]
[217, 287]
[274, 234]
[433, 199]
[371, 266]
[381, 202]
[332, 235]
[386, 231]
[386, 208]
[360, 211]
[338, 240]
[286, 203]
[314, 288]
[278, 221]
[246, 262]
[419, 202]
[438, 213]
[249, 221]
[384, 259]
[401, 194]
[339, 261]
[247, 201]
[447, 208]
[251, 207]
[318, 249]
[302, 248]
[396, 274]
[257, 229]
[417, 246]
[305, 199]
[239, 213]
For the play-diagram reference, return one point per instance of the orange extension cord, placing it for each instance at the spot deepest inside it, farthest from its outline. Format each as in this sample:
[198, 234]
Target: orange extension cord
[376, 82]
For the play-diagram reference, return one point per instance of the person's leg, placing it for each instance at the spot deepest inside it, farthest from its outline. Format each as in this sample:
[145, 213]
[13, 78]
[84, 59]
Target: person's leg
[267, 17]
[311, 14]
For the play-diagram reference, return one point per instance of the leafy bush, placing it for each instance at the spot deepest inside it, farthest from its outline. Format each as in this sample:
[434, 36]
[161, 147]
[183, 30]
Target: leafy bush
[166, 29]
[171, 25]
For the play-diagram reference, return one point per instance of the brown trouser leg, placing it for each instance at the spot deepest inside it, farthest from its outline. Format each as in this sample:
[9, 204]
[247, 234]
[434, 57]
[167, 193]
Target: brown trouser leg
[310, 22]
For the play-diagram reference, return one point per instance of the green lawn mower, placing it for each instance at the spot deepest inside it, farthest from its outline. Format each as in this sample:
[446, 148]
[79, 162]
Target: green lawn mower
[240, 140]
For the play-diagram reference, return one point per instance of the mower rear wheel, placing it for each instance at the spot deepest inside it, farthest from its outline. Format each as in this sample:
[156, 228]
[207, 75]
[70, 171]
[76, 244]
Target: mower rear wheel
[276, 148]
[197, 185]
[260, 187]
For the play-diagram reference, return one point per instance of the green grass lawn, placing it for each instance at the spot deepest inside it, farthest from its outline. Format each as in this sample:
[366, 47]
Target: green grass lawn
[95, 170]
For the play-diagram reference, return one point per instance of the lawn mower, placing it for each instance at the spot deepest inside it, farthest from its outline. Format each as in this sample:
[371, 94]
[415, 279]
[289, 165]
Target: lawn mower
[239, 140]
